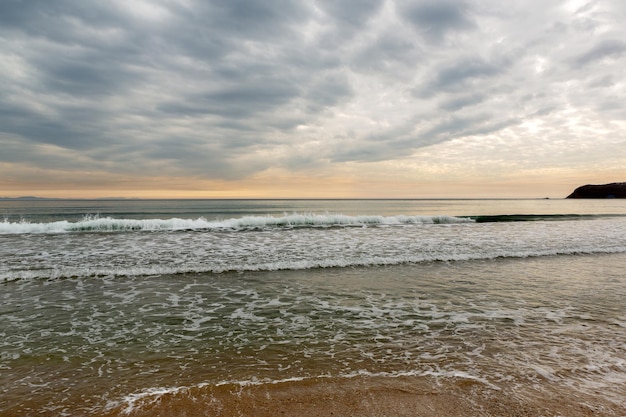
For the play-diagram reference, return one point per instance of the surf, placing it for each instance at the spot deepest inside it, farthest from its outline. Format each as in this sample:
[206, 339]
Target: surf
[95, 223]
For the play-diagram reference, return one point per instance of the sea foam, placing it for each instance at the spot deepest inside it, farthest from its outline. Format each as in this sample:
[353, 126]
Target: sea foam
[110, 224]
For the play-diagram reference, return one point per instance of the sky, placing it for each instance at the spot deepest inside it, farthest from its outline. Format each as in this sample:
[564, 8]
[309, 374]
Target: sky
[311, 99]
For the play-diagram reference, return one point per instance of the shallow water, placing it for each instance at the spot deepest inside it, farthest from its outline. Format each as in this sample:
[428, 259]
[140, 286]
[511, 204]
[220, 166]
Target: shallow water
[505, 324]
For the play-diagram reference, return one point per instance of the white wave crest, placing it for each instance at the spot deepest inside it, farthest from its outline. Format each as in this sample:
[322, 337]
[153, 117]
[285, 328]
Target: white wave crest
[293, 265]
[132, 402]
[110, 224]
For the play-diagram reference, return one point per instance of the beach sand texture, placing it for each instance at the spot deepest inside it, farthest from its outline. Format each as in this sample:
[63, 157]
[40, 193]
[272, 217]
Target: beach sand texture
[404, 396]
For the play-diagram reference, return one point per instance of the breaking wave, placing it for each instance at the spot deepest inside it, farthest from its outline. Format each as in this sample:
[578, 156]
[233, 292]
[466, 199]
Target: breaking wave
[109, 224]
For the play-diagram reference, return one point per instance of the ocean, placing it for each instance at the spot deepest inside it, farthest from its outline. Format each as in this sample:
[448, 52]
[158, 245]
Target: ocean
[312, 307]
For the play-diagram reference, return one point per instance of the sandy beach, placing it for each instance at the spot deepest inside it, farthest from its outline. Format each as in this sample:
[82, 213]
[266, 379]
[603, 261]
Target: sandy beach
[366, 396]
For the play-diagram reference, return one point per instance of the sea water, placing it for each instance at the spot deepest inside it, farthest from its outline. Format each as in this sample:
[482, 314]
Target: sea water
[108, 306]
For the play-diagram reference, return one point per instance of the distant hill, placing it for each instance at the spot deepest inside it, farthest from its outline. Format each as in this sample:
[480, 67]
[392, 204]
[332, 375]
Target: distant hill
[613, 190]
[27, 197]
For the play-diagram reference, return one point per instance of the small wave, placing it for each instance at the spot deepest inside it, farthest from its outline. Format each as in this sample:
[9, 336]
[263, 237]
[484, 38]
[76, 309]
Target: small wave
[109, 224]
[150, 396]
[295, 265]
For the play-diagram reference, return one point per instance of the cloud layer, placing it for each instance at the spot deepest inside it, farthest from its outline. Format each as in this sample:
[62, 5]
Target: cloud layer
[226, 91]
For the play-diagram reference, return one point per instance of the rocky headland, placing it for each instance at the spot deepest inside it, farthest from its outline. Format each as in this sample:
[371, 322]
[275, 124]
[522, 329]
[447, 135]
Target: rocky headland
[613, 190]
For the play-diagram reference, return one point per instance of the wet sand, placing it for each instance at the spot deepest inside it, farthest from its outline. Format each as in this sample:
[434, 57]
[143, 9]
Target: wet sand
[366, 396]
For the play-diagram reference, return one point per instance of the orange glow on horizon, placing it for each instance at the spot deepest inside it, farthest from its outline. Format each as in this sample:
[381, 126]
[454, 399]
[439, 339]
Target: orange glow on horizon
[356, 182]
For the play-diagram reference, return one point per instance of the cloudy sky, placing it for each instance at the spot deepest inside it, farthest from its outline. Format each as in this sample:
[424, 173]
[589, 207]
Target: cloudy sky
[324, 98]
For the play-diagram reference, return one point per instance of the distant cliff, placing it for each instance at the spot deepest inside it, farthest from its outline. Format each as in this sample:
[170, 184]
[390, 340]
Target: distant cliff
[613, 190]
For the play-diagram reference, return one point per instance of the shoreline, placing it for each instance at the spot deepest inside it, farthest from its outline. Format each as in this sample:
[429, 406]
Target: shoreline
[370, 396]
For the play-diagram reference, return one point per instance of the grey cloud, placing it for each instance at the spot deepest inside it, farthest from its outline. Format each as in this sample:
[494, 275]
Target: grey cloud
[375, 148]
[604, 49]
[613, 107]
[201, 157]
[248, 19]
[203, 86]
[488, 125]
[435, 19]
[234, 102]
[401, 141]
[457, 76]
[342, 21]
[327, 91]
[16, 151]
[56, 39]
[55, 19]
[386, 53]
[457, 103]
[397, 141]
[457, 126]
[464, 70]
[67, 129]
[601, 82]
[200, 44]
[543, 111]
[84, 77]
[450, 127]
[351, 12]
